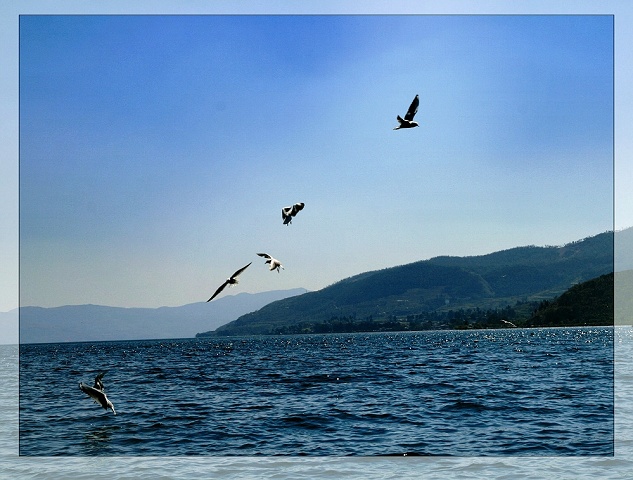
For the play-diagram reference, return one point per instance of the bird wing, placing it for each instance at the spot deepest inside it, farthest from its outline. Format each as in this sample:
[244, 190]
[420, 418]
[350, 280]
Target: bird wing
[98, 383]
[297, 207]
[96, 394]
[220, 288]
[240, 270]
[286, 212]
[413, 108]
[265, 255]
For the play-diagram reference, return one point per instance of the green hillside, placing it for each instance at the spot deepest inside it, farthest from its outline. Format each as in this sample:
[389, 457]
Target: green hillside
[427, 290]
[589, 303]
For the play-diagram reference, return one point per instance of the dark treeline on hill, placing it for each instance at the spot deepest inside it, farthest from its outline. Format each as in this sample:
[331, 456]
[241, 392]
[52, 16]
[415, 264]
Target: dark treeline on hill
[451, 319]
[443, 292]
[590, 303]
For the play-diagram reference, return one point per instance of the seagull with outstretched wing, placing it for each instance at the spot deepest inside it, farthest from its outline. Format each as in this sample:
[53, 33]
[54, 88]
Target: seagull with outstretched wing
[288, 212]
[407, 121]
[274, 263]
[232, 280]
[97, 394]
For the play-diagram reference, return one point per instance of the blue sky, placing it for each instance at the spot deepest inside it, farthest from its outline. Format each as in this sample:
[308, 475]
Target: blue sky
[157, 151]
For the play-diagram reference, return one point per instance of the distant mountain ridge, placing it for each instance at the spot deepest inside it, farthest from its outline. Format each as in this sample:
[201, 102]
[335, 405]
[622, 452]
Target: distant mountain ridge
[81, 323]
[494, 280]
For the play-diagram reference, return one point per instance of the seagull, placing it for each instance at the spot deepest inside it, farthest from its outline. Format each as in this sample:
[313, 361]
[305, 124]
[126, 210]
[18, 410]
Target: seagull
[274, 263]
[408, 122]
[509, 323]
[97, 394]
[232, 280]
[288, 212]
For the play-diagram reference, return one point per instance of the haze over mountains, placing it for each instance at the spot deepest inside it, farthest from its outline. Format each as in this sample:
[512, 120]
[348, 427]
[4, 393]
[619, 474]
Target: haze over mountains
[82, 323]
[487, 281]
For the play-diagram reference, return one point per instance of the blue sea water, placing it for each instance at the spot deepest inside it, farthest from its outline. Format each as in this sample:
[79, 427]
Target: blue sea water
[484, 392]
[521, 403]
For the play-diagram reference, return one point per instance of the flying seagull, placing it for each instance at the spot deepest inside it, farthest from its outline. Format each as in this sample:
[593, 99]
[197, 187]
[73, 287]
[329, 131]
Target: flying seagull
[97, 394]
[508, 323]
[274, 263]
[408, 122]
[232, 280]
[288, 212]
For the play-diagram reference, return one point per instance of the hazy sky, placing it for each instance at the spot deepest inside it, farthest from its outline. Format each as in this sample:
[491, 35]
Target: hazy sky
[156, 152]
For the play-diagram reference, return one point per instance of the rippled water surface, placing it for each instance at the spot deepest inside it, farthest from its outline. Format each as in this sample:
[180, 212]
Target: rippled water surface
[520, 392]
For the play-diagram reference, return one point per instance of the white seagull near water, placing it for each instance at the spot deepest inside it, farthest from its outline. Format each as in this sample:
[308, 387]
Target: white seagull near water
[407, 121]
[232, 280]
[288, 212]
[508, 323]
[274, 263]
[97, 393]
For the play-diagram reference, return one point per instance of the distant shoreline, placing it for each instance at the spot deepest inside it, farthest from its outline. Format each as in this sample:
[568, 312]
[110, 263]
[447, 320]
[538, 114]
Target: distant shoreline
[204, 337]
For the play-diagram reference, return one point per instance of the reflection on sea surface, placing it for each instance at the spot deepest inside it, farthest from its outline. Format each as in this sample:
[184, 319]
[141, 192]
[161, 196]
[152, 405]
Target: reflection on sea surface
[96, 440]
